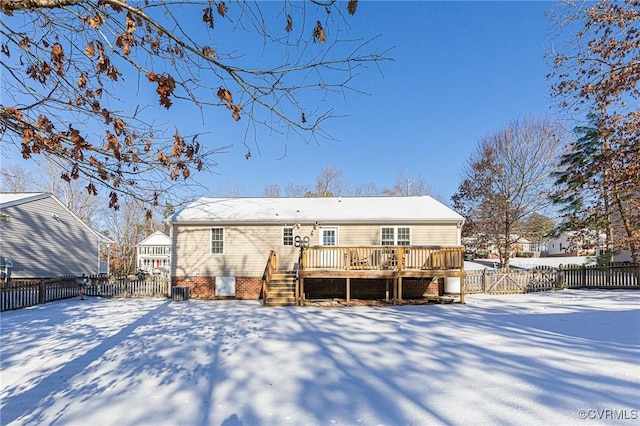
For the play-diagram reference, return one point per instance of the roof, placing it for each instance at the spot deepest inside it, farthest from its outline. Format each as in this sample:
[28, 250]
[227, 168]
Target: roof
[9, 199]
[158, 238]
[300, 210]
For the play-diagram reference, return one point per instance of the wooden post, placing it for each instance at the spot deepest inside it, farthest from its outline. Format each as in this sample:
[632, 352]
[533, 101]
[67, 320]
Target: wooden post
[394, 290]
[42, 296]
[485, 279]
[461, 263]
[348, 290]
[386, 290]
[583, 276]
[560, 280]
[301, 291]
[400, 289]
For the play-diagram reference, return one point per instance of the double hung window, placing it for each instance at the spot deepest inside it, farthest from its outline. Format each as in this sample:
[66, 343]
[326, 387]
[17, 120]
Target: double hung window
[395, 236]
[287, 236]
[217, 240]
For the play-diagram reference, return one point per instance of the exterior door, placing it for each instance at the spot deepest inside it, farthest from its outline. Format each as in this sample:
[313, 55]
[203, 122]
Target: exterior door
[329, 257]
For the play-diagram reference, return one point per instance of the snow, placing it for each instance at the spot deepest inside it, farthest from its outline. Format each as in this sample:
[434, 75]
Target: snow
[420, 209]
[520, 359]
[531, 262]
[554, 262]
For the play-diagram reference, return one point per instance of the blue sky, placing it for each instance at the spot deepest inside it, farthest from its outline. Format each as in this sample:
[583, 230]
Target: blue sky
[461, 71]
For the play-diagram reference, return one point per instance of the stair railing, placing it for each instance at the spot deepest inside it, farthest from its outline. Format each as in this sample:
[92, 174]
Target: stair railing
[272, 262]
[303, 244]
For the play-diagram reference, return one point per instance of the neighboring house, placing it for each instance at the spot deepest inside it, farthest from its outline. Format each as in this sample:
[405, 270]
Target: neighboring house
[489, 246]
[154, 253]
[43, 238]
[221, 246]
[573, 243]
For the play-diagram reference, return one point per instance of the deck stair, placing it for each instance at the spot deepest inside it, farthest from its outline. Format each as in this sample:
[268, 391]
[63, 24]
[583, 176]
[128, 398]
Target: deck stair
[281, 290]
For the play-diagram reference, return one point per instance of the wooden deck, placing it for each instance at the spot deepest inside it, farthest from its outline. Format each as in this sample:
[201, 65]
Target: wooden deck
[393, 263]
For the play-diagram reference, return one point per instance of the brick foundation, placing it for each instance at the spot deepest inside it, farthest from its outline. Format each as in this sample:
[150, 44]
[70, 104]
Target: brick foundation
[201, 287]
[415, 288]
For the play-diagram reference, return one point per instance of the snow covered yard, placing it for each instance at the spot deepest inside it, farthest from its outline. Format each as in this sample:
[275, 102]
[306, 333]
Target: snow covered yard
[522, 359]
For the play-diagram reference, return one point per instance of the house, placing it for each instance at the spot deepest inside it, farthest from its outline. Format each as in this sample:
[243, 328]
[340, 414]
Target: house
[41, 238]
[490, 246]
[154, 253]
[576, 243]
[351, 247]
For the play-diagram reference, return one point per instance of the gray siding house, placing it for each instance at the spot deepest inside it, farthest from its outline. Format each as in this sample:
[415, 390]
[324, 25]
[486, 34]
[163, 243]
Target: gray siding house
[43, 238]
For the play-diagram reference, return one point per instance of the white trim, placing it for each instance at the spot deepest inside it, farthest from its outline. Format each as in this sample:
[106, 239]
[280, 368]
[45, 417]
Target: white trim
[329, 228]
[211, 239]
[395, 233]
[292, 236]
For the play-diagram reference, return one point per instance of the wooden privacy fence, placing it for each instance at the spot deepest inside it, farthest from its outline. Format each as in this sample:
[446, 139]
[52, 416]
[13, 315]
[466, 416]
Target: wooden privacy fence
[611, 276]
[17, 294]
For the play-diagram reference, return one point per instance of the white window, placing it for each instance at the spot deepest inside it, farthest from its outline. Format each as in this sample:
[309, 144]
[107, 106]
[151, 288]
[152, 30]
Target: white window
[329, 236]
[403, 236]
[287, 236]
[217, 240]
[388, 237]
[395, 236]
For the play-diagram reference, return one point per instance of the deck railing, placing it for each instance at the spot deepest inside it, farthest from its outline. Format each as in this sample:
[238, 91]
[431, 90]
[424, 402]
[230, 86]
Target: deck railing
[383, 258]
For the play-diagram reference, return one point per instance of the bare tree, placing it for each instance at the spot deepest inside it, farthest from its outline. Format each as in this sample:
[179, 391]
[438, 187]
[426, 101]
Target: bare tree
[228, 189]
[72, 193]
[407, 185]
[367, 190]
[329, 183]
[16, 178]
[271, 190]
[506, 180]
[75, 75]
[296, 190]
[127, 227]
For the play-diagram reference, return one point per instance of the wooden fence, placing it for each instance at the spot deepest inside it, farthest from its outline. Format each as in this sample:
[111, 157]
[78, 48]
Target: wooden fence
[123, 287]
[612, 276]
[17, 294]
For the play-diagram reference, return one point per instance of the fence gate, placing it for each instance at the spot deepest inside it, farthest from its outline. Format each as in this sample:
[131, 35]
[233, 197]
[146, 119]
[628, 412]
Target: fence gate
[544, 278]
[506, 282]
